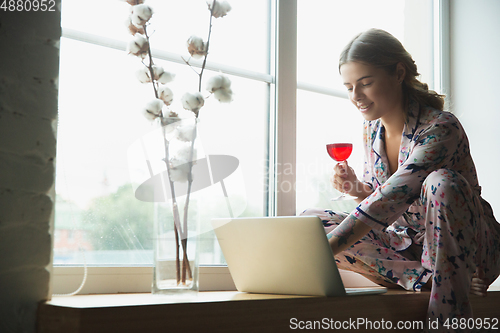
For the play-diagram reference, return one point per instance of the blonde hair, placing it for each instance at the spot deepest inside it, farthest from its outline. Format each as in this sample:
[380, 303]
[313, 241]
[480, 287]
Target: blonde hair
[379, 48]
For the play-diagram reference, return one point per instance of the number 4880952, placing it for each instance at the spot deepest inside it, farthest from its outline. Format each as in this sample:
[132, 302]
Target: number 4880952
[28, 5]
[471, 323]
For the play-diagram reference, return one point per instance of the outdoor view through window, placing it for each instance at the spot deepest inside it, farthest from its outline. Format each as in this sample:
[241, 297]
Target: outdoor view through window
[100, 125]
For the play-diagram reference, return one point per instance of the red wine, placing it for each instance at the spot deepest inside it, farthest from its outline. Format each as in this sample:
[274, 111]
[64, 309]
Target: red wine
[339, 151]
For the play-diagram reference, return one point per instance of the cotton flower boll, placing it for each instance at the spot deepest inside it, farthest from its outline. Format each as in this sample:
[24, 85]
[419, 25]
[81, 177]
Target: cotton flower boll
[224, 95]
[196, 47]
[153, 109]
[157, 71]
[148, 115]
[170, 118]
[165, 94]
[192, 102]
[218, 82]
[133, 29]
[166, 77]
[134, 2]
[170, 122]
[186, 132]
[185, 154]
[138, 46]
[141, 14]
[179, 164]
[161, 76]
[221, 8]
[179, 173]
[155, 106]
[220, 86]
[143, 75]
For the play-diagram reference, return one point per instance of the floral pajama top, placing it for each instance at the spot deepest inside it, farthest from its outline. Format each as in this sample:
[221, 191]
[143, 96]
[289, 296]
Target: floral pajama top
[431, 140]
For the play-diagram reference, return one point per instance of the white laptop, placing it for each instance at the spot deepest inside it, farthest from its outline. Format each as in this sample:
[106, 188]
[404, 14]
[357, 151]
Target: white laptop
[281, 255]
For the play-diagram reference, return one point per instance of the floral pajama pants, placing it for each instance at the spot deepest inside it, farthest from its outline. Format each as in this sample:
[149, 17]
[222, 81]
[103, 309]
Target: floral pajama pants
[447, 234]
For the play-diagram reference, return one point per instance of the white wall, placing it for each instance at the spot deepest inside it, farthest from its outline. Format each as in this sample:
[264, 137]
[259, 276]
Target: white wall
[29, 66]
[475, 86]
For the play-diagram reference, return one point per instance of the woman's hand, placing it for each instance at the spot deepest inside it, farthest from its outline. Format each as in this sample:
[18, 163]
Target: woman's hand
[344, 180]
[347, 233]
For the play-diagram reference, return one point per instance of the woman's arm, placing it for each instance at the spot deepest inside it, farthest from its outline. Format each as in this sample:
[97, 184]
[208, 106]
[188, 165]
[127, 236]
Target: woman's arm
[363, 192]
[347, 233]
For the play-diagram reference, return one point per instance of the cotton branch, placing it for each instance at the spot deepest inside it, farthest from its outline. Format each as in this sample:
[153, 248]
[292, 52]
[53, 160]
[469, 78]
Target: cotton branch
[151, 70]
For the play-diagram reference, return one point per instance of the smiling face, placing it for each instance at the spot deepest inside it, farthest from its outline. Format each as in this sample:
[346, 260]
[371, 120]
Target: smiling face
[374, 92]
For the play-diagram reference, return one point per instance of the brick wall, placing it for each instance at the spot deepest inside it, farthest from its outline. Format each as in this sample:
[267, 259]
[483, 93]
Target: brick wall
[29, 65]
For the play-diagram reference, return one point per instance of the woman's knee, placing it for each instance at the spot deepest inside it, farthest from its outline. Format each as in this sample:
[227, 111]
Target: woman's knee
[328, 216]
[313, 212]
[445, 184]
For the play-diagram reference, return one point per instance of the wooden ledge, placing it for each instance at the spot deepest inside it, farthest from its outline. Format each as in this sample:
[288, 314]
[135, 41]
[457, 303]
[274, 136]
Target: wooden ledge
[233, 311]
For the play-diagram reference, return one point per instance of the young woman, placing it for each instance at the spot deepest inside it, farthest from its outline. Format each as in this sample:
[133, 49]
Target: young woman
[420, 219]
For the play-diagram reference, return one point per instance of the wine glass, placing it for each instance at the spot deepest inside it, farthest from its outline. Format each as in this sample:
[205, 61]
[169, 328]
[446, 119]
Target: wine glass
[340, 152]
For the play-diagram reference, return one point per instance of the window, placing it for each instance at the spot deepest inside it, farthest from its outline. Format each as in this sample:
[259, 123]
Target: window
[324, 114]
[100, 122]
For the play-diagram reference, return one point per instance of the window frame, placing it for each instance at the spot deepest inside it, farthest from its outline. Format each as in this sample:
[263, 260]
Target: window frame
[282, 141]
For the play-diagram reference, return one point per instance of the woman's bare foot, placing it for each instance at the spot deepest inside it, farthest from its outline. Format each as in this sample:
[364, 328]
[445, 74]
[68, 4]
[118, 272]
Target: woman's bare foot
[382, 282]
[479, 284]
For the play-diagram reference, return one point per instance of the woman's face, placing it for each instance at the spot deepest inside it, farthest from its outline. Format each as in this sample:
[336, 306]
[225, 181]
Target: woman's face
[372, 90]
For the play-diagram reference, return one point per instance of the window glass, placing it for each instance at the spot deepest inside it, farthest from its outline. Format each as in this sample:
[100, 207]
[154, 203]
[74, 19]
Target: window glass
[325, 27]
[100, 123]
[323, 30]
[239, 39]
[324, 119]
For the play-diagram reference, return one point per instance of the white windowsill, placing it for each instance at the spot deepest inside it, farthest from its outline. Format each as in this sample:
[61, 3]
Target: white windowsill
[117, 280]
[114, 280]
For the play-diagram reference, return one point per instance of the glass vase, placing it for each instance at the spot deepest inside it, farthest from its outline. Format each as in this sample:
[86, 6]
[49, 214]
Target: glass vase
[176, 259]
[176, 220]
